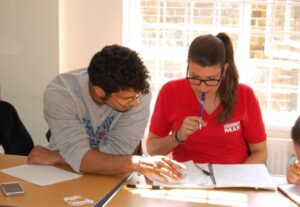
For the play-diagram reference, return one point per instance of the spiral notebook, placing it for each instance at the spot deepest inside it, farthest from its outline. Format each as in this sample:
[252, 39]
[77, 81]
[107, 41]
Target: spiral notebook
[209, 176]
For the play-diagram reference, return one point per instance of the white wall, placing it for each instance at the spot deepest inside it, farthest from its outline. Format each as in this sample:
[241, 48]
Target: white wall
[39, 39]
[85, 27]
[28, 57]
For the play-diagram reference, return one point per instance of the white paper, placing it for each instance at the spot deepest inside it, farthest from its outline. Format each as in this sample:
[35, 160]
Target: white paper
[243, 175]
[279, 179]
[194, 178]
[225, 175]
[292, 191]
[40, 174]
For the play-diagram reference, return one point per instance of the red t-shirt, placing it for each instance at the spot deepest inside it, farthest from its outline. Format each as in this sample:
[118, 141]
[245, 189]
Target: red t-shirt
[215, 143]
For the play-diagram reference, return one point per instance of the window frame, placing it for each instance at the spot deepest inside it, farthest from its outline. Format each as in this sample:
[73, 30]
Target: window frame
[243, 32]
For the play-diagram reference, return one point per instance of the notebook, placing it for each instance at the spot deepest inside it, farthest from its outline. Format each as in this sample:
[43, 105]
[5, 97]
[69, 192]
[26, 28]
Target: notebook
[291, 191]
[210, 176]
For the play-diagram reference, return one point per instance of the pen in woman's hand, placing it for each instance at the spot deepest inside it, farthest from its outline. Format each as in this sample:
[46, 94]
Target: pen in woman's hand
[201, 108]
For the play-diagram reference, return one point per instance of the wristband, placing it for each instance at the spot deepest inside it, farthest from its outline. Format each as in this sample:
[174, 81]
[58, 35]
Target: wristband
[139, 164]
[176, 139]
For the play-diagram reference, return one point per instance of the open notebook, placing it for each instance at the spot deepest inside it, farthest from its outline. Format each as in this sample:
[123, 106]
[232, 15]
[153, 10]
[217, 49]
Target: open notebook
[291, 191]
[223, 176]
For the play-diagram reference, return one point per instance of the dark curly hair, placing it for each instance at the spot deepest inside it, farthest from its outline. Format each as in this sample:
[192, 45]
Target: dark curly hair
[210, 50]
[116, 68]
[295, 132]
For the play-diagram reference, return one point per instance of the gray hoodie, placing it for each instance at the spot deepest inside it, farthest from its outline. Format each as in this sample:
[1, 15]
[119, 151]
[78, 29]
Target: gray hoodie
[78, 124]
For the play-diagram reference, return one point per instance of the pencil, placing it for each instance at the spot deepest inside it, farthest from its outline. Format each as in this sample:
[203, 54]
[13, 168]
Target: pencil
[201, 108]
[143, 186]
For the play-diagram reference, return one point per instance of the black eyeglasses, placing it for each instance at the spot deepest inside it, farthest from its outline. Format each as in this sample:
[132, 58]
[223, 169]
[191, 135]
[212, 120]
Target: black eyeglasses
[209, 82]
[137, 97]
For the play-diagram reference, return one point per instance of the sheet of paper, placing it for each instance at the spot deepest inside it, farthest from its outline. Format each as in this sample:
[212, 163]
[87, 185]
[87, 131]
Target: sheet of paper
[194, 178]
[243, 175]
[40, 174]
[279, 179]
[226, 176]
[292, 191]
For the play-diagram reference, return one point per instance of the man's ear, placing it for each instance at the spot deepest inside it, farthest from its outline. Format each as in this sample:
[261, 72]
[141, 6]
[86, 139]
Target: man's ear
[99, 91]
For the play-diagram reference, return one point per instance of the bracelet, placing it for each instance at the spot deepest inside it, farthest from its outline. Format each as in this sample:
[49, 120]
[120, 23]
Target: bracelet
[176, 139]
[139, 164]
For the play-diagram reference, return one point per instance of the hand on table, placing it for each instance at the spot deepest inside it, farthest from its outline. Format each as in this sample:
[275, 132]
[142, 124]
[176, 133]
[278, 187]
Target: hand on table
[161, 167]
[44, 156]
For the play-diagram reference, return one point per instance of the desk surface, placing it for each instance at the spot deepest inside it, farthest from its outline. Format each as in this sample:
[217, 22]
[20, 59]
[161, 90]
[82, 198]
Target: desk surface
[96, 186]
[206, 198]
[90, 186]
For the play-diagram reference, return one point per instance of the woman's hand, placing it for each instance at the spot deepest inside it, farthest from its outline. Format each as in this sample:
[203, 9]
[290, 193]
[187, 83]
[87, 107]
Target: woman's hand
[189, 125]
[293, 174]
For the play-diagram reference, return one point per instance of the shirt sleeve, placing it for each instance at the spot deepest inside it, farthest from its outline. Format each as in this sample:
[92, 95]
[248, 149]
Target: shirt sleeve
[127, 132]
[68, 133]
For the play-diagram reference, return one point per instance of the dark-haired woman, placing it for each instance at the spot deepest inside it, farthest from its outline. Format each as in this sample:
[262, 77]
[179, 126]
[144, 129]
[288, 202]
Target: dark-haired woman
[226, 128]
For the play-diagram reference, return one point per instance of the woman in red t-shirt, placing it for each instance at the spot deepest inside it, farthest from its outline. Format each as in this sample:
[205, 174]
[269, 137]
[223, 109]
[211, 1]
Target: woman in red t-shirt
[208, 117]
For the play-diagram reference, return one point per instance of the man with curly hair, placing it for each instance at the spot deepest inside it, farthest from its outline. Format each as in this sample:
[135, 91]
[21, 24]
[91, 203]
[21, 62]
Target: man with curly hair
[97, 117]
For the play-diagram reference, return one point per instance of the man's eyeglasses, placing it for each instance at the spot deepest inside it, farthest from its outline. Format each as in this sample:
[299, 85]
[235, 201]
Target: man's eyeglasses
[128, 103]
[209, 82]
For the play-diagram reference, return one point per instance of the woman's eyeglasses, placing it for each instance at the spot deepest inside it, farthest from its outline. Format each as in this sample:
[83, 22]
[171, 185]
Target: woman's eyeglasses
[209, 82]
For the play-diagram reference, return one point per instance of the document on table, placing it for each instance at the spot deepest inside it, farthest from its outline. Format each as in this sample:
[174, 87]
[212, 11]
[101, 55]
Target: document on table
[223, 176]
[242, 175]
[40, 174]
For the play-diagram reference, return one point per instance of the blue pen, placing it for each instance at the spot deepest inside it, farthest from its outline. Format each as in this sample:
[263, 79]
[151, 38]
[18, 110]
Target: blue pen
[201, 108]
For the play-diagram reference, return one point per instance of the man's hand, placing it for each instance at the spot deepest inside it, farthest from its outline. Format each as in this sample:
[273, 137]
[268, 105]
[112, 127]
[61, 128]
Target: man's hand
[161, 167]
[293, 174]
[41, 155]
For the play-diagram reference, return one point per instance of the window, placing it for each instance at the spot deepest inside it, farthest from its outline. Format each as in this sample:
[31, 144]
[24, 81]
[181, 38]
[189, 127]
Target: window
[265, 34]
